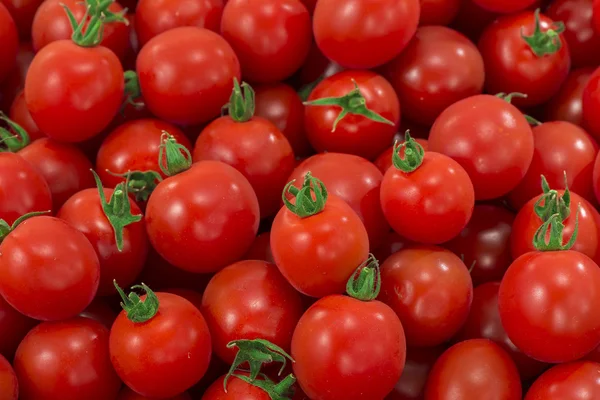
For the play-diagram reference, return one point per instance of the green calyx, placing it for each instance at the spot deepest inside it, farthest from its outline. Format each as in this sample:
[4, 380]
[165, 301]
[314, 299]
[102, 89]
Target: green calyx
[138, 311]
[551, 203]
[276, 391]
[90, 34]
[177, 157]
[508, 98]
[140, 183]
[549, 236]
[14, 139]
[413, 154]
[365, 283]
[305, 205]
[132, 90]
[117, 210]
[542, 43]
[5, 228]
[241, 102]
[352, 103]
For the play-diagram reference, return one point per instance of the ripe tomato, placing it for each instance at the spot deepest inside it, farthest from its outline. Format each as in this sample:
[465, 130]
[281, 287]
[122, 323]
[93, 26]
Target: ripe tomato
[392, 243]
[384, 161]
[164, 276]
[596, 178]
[419, 362]
[99, 310]
[201, 67]
[22, 13]
[505, 6]
[128, 394]
[261, 248]
[439, 67]
[315, 68]
[15, 81]
[66, 360]
[591, 102]
[489, 138]
[364, 34]
[237, 389]
[9, 385]
[20, 115]
[438, 12]
[567, 381]
[13, 328]
[567, 104]
[9, 37]
[472, 20]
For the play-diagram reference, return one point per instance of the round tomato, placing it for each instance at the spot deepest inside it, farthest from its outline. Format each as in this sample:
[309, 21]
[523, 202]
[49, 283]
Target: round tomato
[504, 6]
[9, 37]
[20, 115]
[316, 68]
[100, 310]
[419, 362]
[576, 380]
[392, 243]
[261, 248]
[9, 385]
[438, 12]
[591, 103]
[22, 13]
[472, 20]
[13, 328]
[128, 394]
[15, 80]
[238, 389]
[567, 104]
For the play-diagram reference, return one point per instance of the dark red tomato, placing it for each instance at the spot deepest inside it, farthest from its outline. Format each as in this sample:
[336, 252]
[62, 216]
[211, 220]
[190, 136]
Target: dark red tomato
[363, 360]
[22, 188]
[203, 219]
[505, 6]
[512, 66]
[472, 20]
[484, 323]
[419, 362]
[438, 12]
[354, 134]
[155, 17]
[280, 104]
[66, 360]
[48, 276]
[596, 16]
[250, 300]
[430, 290]
[158, 273]
[20, 115]
[192, 296]
[567, 104]
[439, 67]
[13, 328]
[484, 244]
[310, 5]
[9, 37]
[315, 67]
[261, 248]
[489, 138]
[474, 369]
[237, 389]
[271, 37]
[51, 24]
[128, 394]
[346, 31]
[9, 385]
[152, 357]
[384, 161]
[184, 96]
[356, 181]
[537, 293]
[100, 311]
[392, 243]
[15, 81]
[22, 12]
[596, 178]
[591, 104]
[577, 381]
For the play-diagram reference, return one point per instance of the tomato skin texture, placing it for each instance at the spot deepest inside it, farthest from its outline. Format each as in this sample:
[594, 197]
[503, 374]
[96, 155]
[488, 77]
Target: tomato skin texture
[318, 254]
[9, 385]
[271, 37]
[346, 32]
[419, 362]
[128, 394]
[22, 188]
[567, 104]
[505, 6]
[474, 369]
[13, 328]
[537, 290]
[511, 66]
[9, 38]
[156, 360]
[489, 138]
[66, 360]
[438, 67]
[577, 380]
[354, 134]
[202, 66]
[430, 290]
[237, 389]
[364, 360]
[438, 12]
[203, 219]
[20, 114]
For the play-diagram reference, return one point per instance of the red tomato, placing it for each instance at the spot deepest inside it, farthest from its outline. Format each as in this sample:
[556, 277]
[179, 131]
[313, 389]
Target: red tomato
[22, 13]
[591, 103]
[392, 243]
[9, 38]
[472, 19]
[438, 12]
[567, 381]
[9, 386]
[439, 67]
[237, 389]
[596, 178]
[489, 138]
[504, 6]
[13, 328]
[354, 134]
[271, 37]
[430, 290]
[567, 104]
[513, 65]
[164, 276]
[419, 362]
[362, 360]
[384, 161]
[100, 311]
[316, 67]
[473, 369]
[20, 115]
[201, 67]
[15, 81]
[128, 394]
[261, 248]
[66, 360]
[596, 16]
[364, 34]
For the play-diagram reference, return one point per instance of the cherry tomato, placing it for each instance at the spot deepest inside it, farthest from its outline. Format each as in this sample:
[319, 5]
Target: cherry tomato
[128, 394]
[236, 389]
[66, 360]
[505, 6]
[9, 37]
[439, 67]
[364, 34]
[567, 104]
[419, 362]
[15, 81]
[99, 310]
[159, 274]
[438, 12]
[316, 67]
[9, 385]
[13, 328]
[576, 380]
[596, 178]
[20, 115]
[22, 13]
[392, 243]
[384, 161]
[261, 248]
[472, 20]
[591, 102]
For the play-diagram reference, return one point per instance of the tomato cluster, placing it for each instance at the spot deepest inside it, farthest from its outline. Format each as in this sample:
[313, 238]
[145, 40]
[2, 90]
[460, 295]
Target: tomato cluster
[299, 199]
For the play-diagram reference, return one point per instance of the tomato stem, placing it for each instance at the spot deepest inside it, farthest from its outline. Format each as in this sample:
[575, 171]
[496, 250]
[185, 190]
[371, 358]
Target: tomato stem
[305, 205]
[551, 203]
[555, 238]
[138, 311]
[365, 282]
[177, 157]
[542, 43]
[276, 391]
[132, 90]
[12, 142]
[5, 229]
[508, 98]
[241, 105]
[413, 154]
[98, 14]
[140, 183]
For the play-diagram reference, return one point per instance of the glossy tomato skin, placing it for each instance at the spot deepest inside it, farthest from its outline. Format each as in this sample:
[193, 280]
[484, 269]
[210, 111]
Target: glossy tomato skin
[22, 188]
[156, 360]
[474, 369]
[346, 32]
[66, 360]
[204, 218]
[237, 389]
[364, 360]
[591, 102]
[418, 204]
[384, 161]
[128, 394]
[438, 67]
[20, 114]
[567, 104]
[511, 66]
[419, 362]
[438, 12]
[430, 290]
[271, 37]
[13, 328]
[318, 254]
[9, 385]
[536, 292]
[505, 6]
[9, 38]
[575, 380]
[202, 66]
[354, 134]
[489, 138]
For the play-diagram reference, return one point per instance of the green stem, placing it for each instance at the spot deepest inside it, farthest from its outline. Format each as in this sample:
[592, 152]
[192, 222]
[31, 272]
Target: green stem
[99, 15]
[305, 206]
[276, 391]
[551, 203]
[15, 140]
[365, 283]
[177, 157]
[140, 183]
[413, 154]
[555, 238]
[241, 104]
[132, 90]
[138, 311]
[542, 43]
[508, 98]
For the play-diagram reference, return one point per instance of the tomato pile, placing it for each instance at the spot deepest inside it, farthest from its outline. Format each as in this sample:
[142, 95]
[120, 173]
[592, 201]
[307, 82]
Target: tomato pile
[299, 199]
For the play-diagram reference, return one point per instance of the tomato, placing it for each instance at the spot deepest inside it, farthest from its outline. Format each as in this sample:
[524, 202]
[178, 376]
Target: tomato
[9, 386]
[419, 362]
[22, 13]
[364, 34]
[430, 290]
[354, 134]
[128, 394]
[474, 369]
[9, 38]
[596, 15]
[20, 115]
[22, 188]
[237, 389]
[489, 138]
[591, 102]
[513, 65]
[315, 68]
[184, 96]
[506, 6]
[596, 178]
[392, 243]
[15, 81]
[438, 67]
[271, 37]
[567, 104]
[472, 20]
[155, 17]
[363, 360]
[575, 380]
[261, 248]
[138, 349]
[99, 310]
[66, 360]
[438, 12]
[13, 328]
[384, 161]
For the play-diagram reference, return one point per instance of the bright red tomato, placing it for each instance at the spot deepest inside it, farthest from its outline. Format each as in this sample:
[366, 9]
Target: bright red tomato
[489, 138]
[578, 380]
[20, 115]
[567, 104]
[438, 12]
[419, 362]
[128, 394]
[66, 360]
[9, 385]
[504, 6]
[364, 34]
[591, 103]
[13, 328]
[9, 37]
[237, 389]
